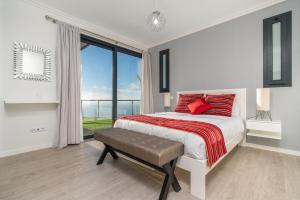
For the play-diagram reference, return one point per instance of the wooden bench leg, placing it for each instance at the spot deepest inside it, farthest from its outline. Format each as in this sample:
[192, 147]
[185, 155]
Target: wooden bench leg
[170, 179]
[106, 150]
[103, 155]
[175, 184]
[165, 188]
[112, 153]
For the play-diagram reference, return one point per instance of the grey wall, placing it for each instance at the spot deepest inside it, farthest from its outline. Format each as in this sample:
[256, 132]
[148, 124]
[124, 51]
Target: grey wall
[230, 55]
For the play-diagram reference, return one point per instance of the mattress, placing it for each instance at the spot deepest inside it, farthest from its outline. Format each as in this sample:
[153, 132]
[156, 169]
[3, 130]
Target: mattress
[194, 145]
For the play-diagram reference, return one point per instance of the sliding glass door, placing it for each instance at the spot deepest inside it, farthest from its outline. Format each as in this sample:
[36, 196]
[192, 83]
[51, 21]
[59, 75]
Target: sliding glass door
[96, 87]
[128, 84]
[110, 84]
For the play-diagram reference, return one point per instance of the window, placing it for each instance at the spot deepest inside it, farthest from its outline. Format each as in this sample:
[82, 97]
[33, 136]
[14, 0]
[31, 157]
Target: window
[164, 71]
[129, 84]
[278, 51]
[110, 84]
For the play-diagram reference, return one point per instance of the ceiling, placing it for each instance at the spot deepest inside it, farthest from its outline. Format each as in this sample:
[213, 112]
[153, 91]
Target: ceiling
[128, 17]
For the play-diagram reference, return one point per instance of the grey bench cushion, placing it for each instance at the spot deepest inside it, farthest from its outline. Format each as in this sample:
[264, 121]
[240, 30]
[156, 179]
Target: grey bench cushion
[155, 150]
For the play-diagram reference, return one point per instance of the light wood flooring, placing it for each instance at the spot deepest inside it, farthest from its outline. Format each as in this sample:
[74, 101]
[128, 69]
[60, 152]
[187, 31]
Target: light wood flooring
[72, 174]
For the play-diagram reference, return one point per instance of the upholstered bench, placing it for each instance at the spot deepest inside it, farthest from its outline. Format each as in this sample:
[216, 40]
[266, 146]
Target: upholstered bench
[158, 153]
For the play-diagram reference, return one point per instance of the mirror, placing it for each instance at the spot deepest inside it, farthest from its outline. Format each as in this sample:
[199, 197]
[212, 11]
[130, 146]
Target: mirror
[278, 51]
[164, 70]
[31, 62]
[276, 31]
[164, 77]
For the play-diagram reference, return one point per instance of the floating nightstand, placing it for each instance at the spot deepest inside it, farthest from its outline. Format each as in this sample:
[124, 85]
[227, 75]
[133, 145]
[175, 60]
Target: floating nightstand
[264, 129]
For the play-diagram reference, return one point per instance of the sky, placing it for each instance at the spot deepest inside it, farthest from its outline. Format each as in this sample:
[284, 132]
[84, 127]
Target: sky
[97, 74]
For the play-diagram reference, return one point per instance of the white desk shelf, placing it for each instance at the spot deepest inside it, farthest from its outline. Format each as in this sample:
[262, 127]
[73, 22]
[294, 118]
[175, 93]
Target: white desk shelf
[13, 101]
[264, 129]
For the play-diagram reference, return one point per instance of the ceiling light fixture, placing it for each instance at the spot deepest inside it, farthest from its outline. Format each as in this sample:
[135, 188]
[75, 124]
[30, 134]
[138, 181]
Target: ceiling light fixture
[156, 20]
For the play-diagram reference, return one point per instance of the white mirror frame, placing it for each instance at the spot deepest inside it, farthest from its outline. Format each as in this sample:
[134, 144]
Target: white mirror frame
[19, 49]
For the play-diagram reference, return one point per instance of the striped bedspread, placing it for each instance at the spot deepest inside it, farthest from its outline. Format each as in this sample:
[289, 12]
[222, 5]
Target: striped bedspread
[211, 134]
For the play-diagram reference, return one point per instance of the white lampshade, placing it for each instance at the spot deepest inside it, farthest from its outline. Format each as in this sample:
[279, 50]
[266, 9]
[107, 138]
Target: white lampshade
[167, 99]
[263, 99]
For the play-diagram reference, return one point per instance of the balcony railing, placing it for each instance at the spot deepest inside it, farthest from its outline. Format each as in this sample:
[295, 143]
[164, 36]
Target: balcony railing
[98, 106]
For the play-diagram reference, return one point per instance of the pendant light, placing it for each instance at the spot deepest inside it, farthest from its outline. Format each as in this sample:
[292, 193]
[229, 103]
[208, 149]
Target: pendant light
[156, 20]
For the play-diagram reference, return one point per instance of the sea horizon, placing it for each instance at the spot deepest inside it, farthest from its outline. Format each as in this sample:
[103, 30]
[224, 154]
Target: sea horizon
[91, 109]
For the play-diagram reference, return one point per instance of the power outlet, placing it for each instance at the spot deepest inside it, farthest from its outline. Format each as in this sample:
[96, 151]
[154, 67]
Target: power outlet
[38, 130]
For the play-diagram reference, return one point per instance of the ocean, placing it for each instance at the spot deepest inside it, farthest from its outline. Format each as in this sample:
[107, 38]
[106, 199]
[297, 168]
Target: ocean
[103, 109]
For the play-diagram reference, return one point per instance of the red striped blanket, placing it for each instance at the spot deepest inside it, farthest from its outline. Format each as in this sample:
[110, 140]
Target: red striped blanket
[211, 134]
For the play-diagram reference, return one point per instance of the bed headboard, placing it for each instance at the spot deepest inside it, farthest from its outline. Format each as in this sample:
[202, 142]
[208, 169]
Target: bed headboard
[239, 101]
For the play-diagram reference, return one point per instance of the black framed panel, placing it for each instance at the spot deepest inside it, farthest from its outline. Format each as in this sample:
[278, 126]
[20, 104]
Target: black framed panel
[283, 48]
[115, 87]
[129, 52]
[93, 41]
[164, 71]
[107, 45]
[115, 49]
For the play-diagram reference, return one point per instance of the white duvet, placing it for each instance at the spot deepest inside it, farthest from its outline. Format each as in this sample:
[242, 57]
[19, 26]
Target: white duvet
[194, 146]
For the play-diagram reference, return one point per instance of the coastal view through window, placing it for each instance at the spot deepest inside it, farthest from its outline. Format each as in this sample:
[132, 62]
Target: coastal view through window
[97, 86]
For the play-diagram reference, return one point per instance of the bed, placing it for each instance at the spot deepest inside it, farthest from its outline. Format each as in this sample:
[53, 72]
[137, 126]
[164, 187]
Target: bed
[194, 158]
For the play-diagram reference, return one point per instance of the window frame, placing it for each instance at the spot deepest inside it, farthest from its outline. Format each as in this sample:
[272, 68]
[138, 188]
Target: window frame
[161, 73]
[286, 50]
[115, 49]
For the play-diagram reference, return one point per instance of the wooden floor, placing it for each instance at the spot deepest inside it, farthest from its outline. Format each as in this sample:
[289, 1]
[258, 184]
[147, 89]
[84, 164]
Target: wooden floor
[72, 174]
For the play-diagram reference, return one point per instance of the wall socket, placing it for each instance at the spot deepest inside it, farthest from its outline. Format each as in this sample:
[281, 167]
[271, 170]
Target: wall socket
[37, 130]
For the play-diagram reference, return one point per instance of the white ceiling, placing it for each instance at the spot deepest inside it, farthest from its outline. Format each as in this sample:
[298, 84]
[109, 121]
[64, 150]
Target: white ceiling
[128, 17]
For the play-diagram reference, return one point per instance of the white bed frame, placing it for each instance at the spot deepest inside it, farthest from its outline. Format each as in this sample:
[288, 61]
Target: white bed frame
[198, 168]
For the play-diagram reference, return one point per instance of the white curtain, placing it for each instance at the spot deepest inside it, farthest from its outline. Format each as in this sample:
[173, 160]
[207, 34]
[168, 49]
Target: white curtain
[146, 86]
[68, 85]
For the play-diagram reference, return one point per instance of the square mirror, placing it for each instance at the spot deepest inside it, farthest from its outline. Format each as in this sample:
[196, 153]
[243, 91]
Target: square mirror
[31, 62]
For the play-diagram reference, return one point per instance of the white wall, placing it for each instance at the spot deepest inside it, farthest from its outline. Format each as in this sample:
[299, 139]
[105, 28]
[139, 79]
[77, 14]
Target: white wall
[1, 74]
[25, 23]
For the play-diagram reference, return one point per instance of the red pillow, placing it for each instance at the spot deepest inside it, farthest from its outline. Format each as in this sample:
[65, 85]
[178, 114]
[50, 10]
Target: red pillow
[220, 104]
[185, 100]
[199, 106]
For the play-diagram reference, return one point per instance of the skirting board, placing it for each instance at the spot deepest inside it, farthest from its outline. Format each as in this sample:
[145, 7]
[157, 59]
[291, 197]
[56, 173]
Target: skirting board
[246, 144]
[274, 149]
[25, 150]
